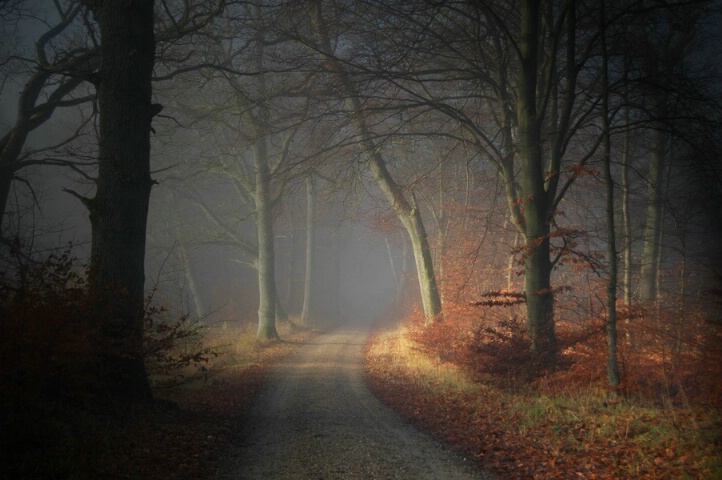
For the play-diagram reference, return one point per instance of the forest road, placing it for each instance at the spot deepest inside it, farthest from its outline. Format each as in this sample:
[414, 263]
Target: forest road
[318, 420]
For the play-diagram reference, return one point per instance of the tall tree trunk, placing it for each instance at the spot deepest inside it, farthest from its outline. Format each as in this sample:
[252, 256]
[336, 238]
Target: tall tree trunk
[392, 264]
[405, 268]
[120, 208]
[293, 282]
[310, 249]
[410, 217]
[653, 223]
[335, 300]
[510, 264]
[266, 264]
[538, 268]
[191, 279]
[626, 215]
[612, 363]
[7, 173]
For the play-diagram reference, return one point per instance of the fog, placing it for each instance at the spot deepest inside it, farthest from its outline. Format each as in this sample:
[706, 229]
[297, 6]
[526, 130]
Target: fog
[277, 106]
[530, 191]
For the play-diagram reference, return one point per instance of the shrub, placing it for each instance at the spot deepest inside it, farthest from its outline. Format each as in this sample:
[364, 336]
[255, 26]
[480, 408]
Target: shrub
[49, 337]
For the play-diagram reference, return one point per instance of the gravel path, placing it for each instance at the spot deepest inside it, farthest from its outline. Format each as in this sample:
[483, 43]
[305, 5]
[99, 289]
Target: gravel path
[317, 420]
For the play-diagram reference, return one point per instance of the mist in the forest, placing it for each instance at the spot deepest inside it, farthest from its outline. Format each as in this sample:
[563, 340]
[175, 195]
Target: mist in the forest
[269, 140]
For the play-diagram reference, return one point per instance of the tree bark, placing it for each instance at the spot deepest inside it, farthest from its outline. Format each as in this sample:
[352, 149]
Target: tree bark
[310, 249]
[7, 173]
[410, 218]
[626, 215]
[653, 223]
[119, 209]
[293, 291]
[538, 268]
[266, 263]
[612, 361]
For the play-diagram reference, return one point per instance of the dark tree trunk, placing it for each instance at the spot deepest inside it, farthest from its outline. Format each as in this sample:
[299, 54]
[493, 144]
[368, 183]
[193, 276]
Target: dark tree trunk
[538, 267]
[653, 222]
[612, 357]
[120, 207]
[6, 179]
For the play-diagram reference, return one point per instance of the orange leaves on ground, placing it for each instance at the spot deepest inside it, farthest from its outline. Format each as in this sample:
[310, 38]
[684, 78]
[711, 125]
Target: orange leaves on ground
[558, 424]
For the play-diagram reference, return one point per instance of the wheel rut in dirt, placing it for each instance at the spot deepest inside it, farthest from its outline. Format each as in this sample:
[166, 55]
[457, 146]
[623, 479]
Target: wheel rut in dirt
[318, 420]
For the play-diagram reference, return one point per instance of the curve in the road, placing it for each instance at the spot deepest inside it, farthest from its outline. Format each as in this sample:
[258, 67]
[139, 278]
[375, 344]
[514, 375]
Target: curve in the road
[317, 420]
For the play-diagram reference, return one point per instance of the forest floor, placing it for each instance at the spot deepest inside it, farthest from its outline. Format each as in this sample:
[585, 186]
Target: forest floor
[207, 432]
[519, 430]
[183, 436]
[318, 420]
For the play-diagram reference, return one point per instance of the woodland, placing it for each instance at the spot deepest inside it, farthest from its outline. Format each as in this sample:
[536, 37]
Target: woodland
[524, 198]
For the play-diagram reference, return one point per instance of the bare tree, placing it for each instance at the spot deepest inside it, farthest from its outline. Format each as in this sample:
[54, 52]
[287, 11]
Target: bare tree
[53, 78]
[612, 357]
[403, 204]
[252, 105]
[119, 209]
[508, 74]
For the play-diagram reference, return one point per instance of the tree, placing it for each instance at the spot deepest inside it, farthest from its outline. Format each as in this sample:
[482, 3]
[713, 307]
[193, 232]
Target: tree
[53, 80]
[538, 196]
[612, 360]
[310, 248]
[663, 51]
[507, 74]
[252, 106]
[119, 209]
[403, 204]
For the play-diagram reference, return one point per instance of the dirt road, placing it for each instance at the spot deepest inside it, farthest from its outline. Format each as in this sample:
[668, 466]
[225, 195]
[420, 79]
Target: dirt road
[317, 420]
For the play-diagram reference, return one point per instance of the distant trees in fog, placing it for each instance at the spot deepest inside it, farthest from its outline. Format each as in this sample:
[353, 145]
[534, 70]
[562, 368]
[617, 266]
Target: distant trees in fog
[483, 127]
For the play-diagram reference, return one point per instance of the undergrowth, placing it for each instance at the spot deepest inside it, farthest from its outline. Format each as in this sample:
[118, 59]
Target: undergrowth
[474, 383]
[56, 423]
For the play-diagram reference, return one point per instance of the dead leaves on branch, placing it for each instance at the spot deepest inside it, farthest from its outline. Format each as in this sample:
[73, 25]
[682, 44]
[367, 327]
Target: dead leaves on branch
[501, 298]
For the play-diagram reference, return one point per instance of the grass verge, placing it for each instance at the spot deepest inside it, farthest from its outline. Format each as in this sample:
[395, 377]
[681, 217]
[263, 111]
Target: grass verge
[521, 434]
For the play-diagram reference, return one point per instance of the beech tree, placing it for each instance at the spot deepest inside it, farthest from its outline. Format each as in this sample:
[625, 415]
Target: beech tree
[507, 73]
[612, 358]
[310, 248]
[119, 209]
[662, 53]
[402, 202]
[252, 106]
